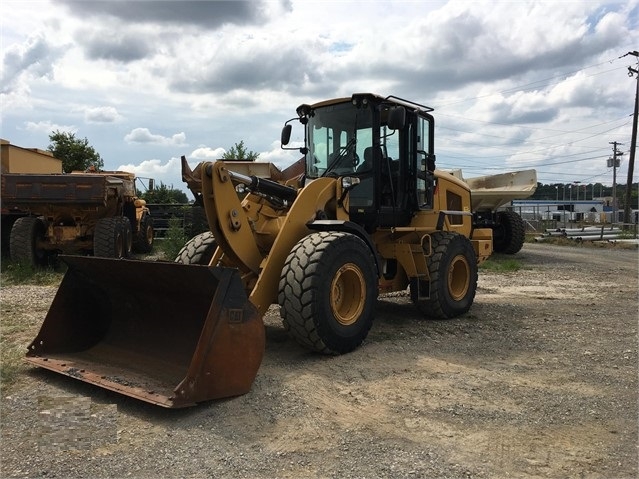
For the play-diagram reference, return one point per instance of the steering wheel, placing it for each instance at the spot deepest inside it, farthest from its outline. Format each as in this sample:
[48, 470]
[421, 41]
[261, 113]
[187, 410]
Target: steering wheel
[355, 159]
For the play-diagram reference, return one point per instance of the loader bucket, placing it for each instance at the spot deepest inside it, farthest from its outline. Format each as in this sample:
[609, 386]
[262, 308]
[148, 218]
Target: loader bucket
[166, 333]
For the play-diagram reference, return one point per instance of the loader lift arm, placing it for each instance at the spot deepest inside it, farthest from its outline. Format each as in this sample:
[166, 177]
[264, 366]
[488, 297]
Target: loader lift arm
[215, 185]
[276, 191]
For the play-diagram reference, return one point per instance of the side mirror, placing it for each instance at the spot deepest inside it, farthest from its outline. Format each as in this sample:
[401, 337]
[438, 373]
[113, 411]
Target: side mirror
[397, 118]
[286, 134]
[151, 184]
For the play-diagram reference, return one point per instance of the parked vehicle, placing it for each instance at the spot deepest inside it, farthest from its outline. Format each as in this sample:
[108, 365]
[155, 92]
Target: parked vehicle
[77, 213]
[489, 196]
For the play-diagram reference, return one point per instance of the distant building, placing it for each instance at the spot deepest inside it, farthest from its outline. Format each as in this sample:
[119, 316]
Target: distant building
[592, 211]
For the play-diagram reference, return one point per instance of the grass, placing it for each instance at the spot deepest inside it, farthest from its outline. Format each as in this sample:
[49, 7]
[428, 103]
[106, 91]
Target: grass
[627, 234]
[11, 363]
[19, 323]
[501, 264]
[14, 273]
[560, 241]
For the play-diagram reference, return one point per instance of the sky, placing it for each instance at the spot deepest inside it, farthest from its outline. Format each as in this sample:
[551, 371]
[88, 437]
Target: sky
[515, 84]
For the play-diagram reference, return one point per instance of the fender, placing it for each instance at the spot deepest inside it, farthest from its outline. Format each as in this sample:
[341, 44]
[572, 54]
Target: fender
[348, 227]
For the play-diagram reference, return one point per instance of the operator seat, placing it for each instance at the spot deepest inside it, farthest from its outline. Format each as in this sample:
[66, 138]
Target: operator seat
[367, 164]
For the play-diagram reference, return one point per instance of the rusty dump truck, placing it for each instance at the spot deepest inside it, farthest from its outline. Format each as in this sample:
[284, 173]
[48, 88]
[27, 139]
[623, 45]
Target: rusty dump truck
[364, 212]
[77, 213]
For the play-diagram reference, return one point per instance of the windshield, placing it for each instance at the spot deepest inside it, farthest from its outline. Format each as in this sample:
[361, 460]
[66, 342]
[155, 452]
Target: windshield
[337, 138]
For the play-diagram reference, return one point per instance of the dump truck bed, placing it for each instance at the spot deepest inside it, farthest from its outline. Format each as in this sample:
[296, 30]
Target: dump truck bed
[31, 191]
[490, 192]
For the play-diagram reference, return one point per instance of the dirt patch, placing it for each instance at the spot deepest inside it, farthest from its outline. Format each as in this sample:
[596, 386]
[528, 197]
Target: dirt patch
[539, 379]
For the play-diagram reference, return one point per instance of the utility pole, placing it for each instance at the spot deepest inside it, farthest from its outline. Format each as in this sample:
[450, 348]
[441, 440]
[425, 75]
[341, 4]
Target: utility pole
[614, 163]
[633, 141]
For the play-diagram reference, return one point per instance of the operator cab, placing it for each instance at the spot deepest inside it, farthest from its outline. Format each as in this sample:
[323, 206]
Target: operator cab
[381, 147]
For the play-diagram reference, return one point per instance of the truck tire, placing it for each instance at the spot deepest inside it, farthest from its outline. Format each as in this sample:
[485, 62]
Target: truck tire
[198, 250]
[510, 232]
[143, 240]
[25, 235]
[327, 292]
[453, 277]
[112, 238]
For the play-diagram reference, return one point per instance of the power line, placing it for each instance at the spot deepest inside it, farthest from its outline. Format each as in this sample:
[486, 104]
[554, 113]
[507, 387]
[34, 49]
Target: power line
[536, 146]
[550, 147]
[559, 132]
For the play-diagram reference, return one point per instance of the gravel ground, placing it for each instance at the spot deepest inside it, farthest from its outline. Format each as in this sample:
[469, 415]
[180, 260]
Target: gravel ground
[539, 379]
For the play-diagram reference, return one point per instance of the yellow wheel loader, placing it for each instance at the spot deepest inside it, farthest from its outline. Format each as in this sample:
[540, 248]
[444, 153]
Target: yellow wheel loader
[364, 212]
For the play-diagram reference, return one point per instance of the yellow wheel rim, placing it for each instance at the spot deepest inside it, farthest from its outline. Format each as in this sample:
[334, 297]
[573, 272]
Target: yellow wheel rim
[458, 277]
[347, 294]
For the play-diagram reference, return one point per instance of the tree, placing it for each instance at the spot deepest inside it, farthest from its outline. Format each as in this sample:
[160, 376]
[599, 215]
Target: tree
[238, 152]
[164, 194]
[76, 154]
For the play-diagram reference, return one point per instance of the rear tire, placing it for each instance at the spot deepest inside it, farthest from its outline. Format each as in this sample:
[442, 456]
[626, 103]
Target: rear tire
[112, 237]
[143, 240]
[327, 292]
[453, 277]
[510, 232]
[198, 250]
[25, 235]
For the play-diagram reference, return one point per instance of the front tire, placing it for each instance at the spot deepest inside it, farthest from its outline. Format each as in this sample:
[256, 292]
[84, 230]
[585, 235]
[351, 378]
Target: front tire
[452, 267]
[198, 250]
[327, 292]
[25, 235]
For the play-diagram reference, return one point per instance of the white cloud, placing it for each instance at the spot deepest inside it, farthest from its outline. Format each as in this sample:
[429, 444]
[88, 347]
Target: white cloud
[167, 172]
[205, 153]
[102, 114]
[279, 157]
[151, 167]
[143, 135]
[35, 57]
[47, 127]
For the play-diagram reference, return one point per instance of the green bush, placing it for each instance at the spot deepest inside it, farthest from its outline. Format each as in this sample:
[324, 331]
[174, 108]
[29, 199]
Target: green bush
[174, 239]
